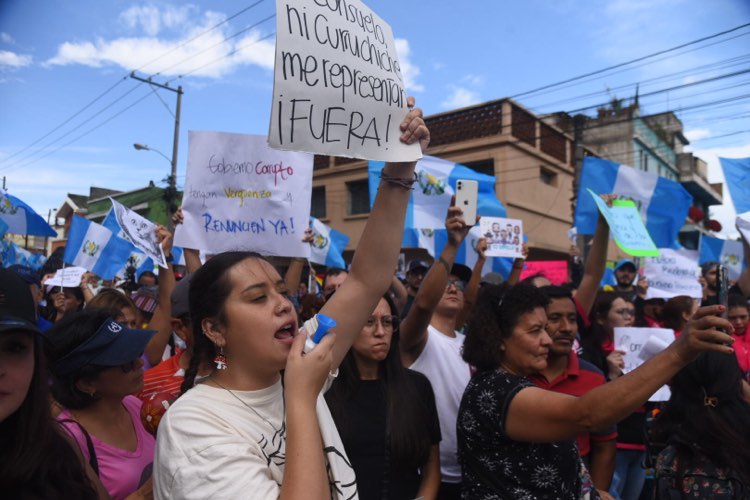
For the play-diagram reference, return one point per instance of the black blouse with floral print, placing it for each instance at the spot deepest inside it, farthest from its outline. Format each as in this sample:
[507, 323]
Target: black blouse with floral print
[497, 467]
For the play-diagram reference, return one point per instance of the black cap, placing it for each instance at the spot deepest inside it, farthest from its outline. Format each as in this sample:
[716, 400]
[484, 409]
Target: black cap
[417, 264]
[462, 272]
[17, 310]
[26, 273]
[179, 298]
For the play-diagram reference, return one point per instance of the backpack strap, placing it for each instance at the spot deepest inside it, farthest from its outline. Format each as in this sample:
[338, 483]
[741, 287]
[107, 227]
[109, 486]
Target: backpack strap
[89, 443]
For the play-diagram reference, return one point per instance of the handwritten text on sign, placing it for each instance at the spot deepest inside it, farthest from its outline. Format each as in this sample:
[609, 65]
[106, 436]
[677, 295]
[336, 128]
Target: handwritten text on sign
[338, 87]
[626, 227]
[673, 273]
[242, 195]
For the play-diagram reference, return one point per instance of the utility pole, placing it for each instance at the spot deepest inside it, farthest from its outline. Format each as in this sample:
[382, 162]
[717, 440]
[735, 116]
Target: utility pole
[579, 123]
[171, 194]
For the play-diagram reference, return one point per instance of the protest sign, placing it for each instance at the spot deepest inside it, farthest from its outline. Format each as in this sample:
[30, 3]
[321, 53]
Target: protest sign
[338, 87]
[743, 224]
[640, 345]
[673, 273]
[68, 277]
[242, 195]
[139, 231]
[504, 236]
[626, 227]
[554, 270]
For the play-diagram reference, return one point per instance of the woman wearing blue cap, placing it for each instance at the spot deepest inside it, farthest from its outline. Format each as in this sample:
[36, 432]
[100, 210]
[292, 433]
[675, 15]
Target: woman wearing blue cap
[96, 368]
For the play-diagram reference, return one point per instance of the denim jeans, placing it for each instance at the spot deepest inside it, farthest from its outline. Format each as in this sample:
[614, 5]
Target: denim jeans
[629, 476]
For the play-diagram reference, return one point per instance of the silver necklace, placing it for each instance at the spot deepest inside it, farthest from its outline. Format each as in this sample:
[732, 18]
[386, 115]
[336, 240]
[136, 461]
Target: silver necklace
[283, 403]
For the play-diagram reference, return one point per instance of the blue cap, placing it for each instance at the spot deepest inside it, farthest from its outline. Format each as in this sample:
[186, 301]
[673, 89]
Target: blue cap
[111, 345]
[325, 323]
[624, 262]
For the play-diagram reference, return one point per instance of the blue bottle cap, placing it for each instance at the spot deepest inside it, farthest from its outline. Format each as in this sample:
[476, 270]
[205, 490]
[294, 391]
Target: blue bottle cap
[324, 325]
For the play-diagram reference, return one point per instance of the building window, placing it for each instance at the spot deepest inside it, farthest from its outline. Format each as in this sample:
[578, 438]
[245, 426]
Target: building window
[359, 197]
[547, 176]
[318, 203]
[486, 167]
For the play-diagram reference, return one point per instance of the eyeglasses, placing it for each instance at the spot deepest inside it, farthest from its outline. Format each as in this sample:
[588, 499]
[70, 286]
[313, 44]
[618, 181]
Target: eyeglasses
[387, 322]
[626, 312]
[459, 284]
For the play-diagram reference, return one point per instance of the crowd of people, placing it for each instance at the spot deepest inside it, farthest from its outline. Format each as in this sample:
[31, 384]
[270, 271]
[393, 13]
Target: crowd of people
[449, 384]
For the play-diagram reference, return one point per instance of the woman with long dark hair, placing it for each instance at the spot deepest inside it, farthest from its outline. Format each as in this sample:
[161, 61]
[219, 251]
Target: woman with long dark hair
[244, 427]
[386, 414]
[36, 459]
[706, 427]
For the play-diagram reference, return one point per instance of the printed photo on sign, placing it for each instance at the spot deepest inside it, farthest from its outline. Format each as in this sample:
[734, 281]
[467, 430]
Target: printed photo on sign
[140, 231]
[338, 88]
[242, 195]
[504, 236]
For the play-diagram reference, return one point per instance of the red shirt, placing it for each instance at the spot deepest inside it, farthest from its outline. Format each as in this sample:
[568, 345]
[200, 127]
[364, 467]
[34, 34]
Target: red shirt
[578, 378]
[167, 376]
[742, 349]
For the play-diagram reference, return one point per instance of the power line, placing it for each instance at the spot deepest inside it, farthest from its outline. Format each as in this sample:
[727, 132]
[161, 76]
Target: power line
[627, 63]
[123, 78]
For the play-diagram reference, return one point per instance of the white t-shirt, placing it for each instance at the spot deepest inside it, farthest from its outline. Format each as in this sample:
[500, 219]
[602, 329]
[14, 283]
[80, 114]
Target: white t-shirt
[440, 361]
[210, 445]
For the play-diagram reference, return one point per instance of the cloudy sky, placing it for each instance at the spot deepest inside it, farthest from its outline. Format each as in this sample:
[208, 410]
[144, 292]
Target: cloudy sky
[70, 112]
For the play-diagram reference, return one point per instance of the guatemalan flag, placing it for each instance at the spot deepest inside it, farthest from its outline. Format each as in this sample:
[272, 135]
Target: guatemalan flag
[21, 218]
[428, 206]
[728, 252]
[663, 203]
[436, 183]
[95, 248]
[737, 175]
[137, 258]
[328, 245]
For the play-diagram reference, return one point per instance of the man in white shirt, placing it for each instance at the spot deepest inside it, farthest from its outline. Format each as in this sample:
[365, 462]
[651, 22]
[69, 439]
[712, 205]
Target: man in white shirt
[430, 344]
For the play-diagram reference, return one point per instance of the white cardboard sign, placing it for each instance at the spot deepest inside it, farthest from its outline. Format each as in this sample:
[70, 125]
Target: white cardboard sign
[67, 277]
[504, 236]
[337, 88]
[673, 273]
[139, 231]
[640, 345]
[242, 195]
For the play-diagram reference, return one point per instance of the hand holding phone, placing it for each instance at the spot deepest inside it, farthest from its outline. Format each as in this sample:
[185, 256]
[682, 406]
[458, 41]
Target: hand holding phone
[467, 193]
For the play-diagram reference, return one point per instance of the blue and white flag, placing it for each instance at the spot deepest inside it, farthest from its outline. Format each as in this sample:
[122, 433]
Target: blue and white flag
[728, 252]
[435, 240]
[13, 254]
[663, 203]
[436, 183]
[328, 245]
[95, 248]
[21, 218]
[737, 175]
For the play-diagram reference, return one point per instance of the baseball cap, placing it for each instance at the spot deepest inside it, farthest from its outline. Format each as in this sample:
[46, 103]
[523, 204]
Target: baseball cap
[462, 272]
[146, 298]
[492, 278]
[111, 345]
[17, 311]
[179, 298]
[417, 264]
[625, 262]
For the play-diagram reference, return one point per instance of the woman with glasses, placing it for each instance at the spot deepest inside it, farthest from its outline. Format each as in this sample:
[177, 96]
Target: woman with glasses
[96, 368]
[386, 414]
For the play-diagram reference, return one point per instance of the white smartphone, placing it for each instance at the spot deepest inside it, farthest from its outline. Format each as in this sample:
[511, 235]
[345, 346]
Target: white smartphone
[467, 192]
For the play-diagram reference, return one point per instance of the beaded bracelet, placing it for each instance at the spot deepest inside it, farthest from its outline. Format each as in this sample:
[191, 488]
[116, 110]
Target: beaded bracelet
[399, 181]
